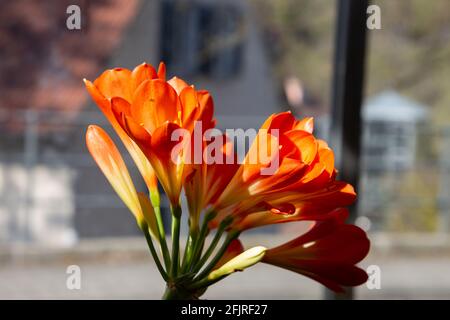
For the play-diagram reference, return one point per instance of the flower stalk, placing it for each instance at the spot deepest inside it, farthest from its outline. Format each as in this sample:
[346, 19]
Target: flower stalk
[230, 237]
[154, 253]
[176, 222]
[162, 237]
[213, 245]
[199, 239]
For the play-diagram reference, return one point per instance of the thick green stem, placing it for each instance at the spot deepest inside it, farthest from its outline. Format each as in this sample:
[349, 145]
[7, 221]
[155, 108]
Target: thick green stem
[230, 237]
[148, 237]
[205, 282]
[173, 292]
[176, 221]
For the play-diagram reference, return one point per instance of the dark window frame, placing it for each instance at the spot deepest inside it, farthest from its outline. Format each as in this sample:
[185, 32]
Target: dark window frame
[347, 96]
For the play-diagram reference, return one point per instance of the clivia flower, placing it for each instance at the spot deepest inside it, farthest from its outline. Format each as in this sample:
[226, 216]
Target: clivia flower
[142, 104]
[302, 187]
[327, 253]
[287, 175]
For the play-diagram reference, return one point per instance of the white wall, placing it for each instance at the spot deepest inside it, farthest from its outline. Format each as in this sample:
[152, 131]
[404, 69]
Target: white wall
[37, 205]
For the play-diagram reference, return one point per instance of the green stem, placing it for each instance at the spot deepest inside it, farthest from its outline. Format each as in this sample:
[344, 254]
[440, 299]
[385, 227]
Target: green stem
[212, 246]
[162, 237]
[205, 282]
[230, 237]
[148, 237]
[199, 242]
[170, 294]
[179, 293]
[176, 221]
[187, 253]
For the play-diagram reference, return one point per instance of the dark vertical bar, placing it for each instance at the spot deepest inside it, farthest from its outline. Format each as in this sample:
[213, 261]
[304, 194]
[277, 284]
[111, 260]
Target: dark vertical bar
[347, 93]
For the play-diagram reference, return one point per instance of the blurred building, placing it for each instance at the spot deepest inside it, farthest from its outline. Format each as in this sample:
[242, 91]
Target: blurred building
[37, 202]
[215, 44]
[41, 111]
[392, 128]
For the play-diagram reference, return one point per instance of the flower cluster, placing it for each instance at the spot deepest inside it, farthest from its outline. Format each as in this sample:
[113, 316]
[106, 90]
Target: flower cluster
[223, 197]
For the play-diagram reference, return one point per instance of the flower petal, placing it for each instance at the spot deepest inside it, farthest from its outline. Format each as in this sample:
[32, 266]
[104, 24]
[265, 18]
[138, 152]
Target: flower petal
[305, 124]
[154, 103]
[234, 249]
[242, 261]
[162, 71]
[178, 84]
[149, 214]
[108, 158]
[142, 73]
[326, 253]
[113, 110]
[115, 83]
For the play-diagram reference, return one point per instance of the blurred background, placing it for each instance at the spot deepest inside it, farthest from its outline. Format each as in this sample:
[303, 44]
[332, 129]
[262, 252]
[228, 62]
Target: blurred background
[256, 57]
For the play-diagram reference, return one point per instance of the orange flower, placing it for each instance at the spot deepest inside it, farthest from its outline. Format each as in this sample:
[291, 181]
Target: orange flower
[108, 158]
[287, 175]
[295, 206]
[303, 183]
[195, 168]
[327, 253]
[120, 82]
[149, 110]
[206, 182]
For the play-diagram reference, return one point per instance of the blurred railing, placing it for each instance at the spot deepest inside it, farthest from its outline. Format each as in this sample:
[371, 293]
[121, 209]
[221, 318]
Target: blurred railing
[42, 156]
[51, 192]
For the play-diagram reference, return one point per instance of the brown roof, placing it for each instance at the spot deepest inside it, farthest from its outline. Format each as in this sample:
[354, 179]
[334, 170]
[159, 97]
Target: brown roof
[43, 63]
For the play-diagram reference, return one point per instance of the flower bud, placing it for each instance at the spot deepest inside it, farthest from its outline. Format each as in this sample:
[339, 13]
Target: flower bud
[239, 263]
